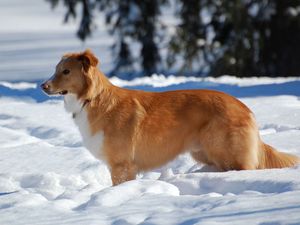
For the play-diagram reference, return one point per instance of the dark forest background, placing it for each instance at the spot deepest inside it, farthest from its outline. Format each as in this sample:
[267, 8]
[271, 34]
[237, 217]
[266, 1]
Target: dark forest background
[212, 37]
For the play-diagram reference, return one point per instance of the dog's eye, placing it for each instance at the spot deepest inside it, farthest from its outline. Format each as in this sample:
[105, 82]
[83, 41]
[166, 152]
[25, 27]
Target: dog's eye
[65, 72]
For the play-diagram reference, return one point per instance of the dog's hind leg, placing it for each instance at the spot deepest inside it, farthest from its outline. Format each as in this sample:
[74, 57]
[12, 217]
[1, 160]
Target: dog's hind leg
[236, 148]
[200, 157]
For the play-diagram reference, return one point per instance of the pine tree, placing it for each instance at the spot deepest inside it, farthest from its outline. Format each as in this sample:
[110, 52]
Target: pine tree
[262, 38]
[130, 21]
[86, 22]
[238, 37]
[189, 33]
[118, 17]
[137, 21]
[146, 26]
[280, 51]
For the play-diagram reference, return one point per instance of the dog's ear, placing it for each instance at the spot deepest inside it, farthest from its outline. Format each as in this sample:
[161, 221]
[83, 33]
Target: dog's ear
[88, 59]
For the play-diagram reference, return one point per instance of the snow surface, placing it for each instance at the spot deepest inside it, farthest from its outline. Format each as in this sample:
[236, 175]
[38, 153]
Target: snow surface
[48, 177]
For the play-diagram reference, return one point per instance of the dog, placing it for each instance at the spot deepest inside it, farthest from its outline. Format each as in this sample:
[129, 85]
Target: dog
[135, 131]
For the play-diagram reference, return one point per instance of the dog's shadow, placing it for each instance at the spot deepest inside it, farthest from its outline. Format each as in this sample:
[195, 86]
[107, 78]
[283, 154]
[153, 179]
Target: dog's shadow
[197, 168]
[204, 169]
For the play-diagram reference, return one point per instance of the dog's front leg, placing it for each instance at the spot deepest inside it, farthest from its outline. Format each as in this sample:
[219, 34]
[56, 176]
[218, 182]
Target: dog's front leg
[120, 158]
[123, 171]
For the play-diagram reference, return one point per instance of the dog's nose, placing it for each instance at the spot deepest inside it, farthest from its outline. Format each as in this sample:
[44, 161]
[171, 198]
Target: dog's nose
[45, 86]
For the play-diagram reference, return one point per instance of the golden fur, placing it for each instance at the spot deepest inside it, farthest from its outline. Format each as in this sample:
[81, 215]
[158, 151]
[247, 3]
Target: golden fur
[144, 130]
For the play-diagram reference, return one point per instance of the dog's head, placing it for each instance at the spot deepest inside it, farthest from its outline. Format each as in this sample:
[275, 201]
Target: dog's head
[74, 74]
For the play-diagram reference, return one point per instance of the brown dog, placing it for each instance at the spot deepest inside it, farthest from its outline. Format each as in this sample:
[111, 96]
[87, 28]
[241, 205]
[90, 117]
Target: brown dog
[136, 131]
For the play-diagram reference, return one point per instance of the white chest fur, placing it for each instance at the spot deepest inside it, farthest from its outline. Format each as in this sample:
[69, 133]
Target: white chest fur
[94, 142]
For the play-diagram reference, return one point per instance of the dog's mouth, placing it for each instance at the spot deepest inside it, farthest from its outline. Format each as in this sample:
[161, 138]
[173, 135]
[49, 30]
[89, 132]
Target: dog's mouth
[64, 92]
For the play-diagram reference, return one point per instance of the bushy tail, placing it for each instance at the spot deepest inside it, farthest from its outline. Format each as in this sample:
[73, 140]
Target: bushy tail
[271, 158]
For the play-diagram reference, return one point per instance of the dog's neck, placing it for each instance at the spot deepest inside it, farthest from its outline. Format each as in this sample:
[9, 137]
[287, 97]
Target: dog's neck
[73, 104]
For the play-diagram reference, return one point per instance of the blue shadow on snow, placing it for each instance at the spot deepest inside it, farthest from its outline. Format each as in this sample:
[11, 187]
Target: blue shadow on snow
[288, 88]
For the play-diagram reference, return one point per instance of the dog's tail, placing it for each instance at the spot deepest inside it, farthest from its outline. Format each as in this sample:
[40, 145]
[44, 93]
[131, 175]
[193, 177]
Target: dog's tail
[271, 158]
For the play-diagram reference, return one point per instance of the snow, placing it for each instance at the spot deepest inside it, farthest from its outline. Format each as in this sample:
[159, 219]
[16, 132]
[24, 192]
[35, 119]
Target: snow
[159, 80]
[33, 37]
[48, 177]
[18, 86]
